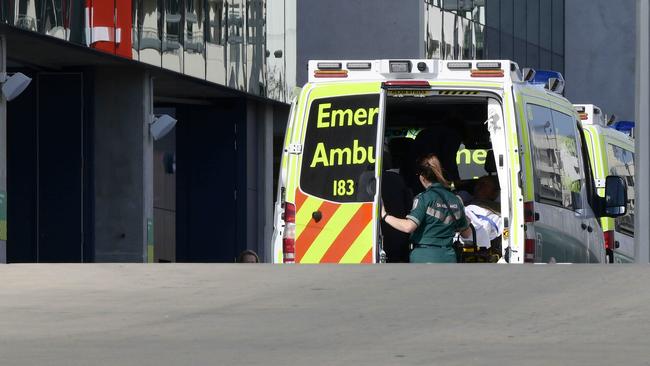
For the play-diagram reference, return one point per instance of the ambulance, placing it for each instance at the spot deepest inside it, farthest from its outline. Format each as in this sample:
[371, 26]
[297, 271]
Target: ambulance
[350, 111]
[611, 152]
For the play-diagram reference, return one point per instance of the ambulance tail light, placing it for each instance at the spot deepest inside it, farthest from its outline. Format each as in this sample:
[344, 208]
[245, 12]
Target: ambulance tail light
[331, 73]
[609, 239]
[289, 235]
[529, 212]
[487, 73]
[529, 250]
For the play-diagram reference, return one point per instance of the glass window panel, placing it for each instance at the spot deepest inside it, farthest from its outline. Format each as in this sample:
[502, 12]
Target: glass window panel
[507, 46]
[76, 19]
[507, 17]
[216, 41]
[548, 177]
[493, 13]
[557, 26]
[50, 15]
[149, 40]
[478, 13]
[172, 43]
[479, 41]
[7, 12]
[194, 42]
[448, 36]
[519, 52]
[558, 63]
[26, 15]
[545, 60]
[621, 163]
[433, 36]
[570, 161]
[236, 57]
[136, 8]
[465, 39]
[255, 41]
[532, 21]
[532, 55]
[545, 17]
[275, 45]
[519, 19]
[493, 43]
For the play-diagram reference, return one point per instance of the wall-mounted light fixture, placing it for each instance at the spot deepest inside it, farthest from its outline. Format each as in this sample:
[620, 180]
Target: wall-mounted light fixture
[160, 125]
[14, 85]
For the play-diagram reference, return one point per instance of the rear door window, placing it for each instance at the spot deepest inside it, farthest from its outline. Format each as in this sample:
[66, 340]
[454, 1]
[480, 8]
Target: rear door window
[338, 162]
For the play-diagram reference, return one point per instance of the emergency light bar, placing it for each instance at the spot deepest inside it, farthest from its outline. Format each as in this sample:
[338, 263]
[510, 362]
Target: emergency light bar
[626, 127]
[551, 80]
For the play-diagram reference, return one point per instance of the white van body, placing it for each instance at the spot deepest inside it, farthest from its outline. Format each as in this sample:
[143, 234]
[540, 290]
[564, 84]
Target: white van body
[327, 208]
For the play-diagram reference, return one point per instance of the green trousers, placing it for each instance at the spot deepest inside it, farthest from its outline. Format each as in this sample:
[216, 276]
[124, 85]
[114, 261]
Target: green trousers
[433, 255]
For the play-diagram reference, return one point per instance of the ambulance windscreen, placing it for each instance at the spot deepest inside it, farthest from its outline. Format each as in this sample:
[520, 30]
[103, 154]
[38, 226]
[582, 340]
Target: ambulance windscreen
[338, 163]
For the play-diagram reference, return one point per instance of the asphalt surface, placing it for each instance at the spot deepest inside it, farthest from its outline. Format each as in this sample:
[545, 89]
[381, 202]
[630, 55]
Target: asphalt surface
[241, 314]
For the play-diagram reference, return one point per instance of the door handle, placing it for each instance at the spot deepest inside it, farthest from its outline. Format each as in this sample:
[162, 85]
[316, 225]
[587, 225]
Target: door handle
[317, 216]
[583, 226]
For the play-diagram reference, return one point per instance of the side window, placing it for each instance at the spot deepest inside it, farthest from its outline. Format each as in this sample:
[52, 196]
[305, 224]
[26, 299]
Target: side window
[586, 164]
[548, 173]
[559, 176]
[621, 163]
[570, 160]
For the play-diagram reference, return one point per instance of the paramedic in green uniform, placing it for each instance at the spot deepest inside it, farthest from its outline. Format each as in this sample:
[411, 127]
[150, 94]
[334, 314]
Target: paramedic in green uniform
[436, 216]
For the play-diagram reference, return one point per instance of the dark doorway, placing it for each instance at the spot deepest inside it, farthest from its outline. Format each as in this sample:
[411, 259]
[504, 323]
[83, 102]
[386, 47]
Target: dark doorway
[206, 182]
[45, 171]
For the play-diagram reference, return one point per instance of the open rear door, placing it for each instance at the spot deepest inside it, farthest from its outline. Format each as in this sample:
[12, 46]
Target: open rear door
[335, 193]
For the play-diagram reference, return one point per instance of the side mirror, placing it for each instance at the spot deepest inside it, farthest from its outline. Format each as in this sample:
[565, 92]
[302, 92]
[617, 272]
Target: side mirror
[615, 196]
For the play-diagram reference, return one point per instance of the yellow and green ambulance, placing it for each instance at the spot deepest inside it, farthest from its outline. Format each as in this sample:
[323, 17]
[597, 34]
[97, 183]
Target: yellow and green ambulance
[351, 112]
[611, 152]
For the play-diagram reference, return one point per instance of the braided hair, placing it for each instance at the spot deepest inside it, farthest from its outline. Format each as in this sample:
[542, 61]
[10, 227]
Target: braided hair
[431, 169]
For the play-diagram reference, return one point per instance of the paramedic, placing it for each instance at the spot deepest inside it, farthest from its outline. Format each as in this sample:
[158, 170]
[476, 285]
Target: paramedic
[436, 216]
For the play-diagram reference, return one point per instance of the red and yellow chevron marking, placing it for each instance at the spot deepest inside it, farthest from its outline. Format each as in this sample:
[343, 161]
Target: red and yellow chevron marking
[343, 235]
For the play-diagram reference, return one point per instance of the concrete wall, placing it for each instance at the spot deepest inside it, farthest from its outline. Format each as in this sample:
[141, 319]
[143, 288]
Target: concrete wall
[599, 49]
[362, 29]
[3, 160]
[642, 95]
[123, 164]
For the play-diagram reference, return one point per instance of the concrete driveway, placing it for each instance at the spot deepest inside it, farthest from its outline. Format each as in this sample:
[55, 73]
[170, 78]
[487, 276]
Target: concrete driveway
[237, 314]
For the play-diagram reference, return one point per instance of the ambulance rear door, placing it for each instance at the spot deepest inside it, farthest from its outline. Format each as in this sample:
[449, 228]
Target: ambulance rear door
[336, 181]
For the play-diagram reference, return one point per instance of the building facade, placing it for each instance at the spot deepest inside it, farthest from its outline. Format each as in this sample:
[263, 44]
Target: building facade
[82, 178]
[530, 32]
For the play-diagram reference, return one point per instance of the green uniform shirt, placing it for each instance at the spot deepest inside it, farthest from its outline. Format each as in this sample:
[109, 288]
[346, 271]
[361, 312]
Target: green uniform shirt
[436, 225]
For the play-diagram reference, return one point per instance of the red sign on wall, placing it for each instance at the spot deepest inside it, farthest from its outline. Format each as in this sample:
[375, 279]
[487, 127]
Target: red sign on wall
[108, 26]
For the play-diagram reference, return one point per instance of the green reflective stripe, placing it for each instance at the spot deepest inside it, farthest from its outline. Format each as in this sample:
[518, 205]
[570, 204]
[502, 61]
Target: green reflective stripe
[607, 223]
[529, 193]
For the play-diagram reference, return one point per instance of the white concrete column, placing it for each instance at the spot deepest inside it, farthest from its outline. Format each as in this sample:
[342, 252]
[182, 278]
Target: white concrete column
[123, 165]
[642, 133]
[3, 158]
